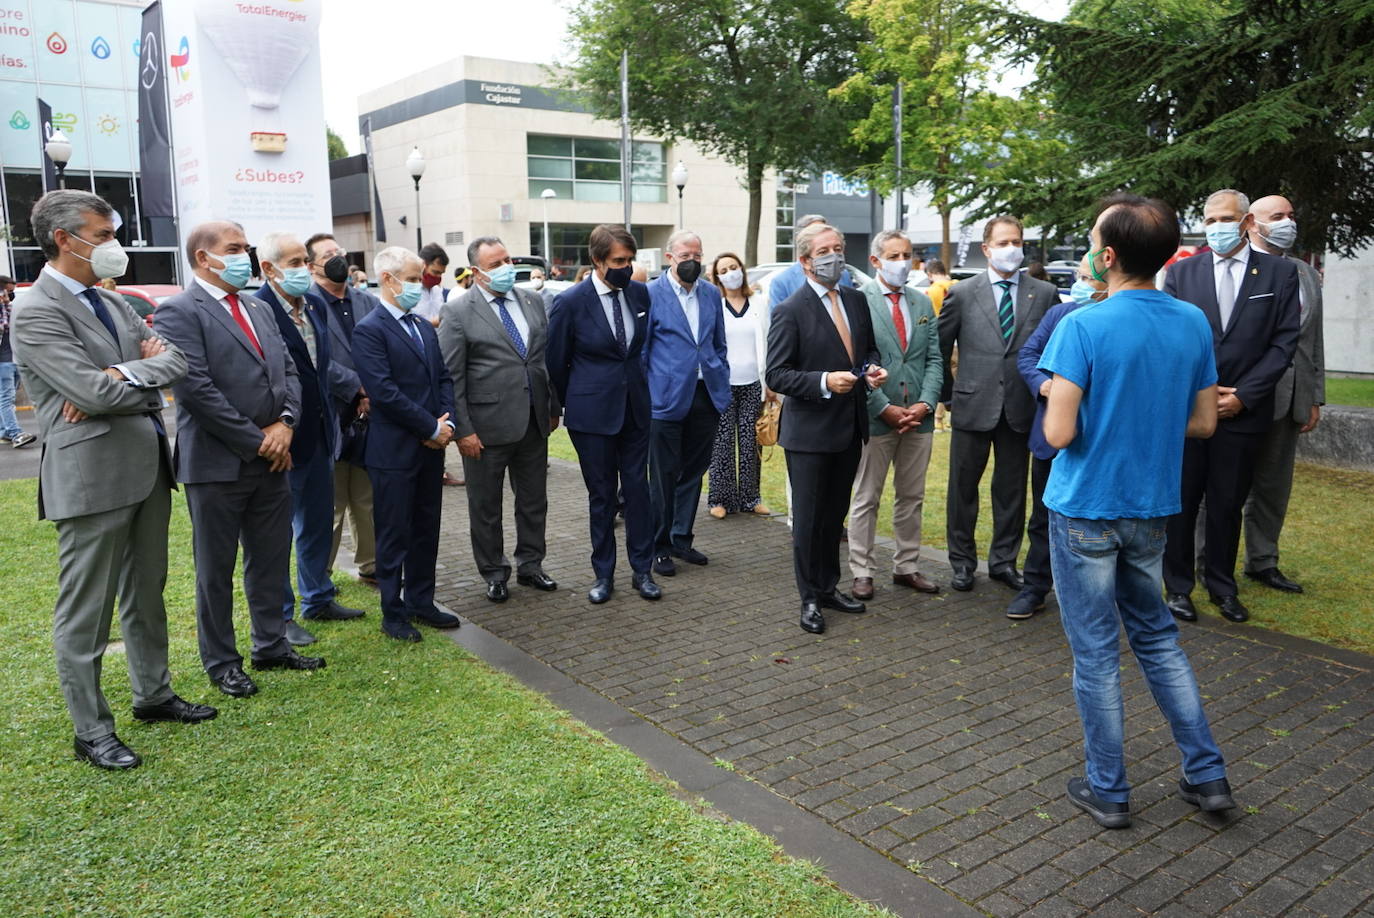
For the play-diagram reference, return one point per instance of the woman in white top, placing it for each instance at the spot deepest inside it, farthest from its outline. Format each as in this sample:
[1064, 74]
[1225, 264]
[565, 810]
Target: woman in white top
[734, 478]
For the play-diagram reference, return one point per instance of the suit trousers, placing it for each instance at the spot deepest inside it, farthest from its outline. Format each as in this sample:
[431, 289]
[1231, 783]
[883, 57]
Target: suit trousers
[353, 496]
[527, 459]
[609, 462]
[1039, 579]
[1220, 469]
[254, 511]
[908, 456]
[124, 551]
[820, 489]
[679, 455]
[968, 459]
[409, 505]
[312, 515]
[1269, 492]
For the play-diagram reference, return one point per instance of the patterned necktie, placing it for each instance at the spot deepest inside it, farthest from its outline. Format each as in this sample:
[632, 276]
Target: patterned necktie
[618, 311]
[101, 313]
[898, 319]
[412, 324]
[1226, 292]
[840, 325]
[243, 322]
[509, 323]
[1006, 313]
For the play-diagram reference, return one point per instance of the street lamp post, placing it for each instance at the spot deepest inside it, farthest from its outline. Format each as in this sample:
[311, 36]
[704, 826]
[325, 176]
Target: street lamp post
[680, 180]
[59, 150]
[546, 195]
[415, 162]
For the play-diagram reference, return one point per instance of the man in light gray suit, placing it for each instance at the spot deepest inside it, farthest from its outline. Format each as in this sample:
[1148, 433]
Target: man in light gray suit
[236, 409]
[1298, 398]
[94, 370]
[989, 317]
[493, 338]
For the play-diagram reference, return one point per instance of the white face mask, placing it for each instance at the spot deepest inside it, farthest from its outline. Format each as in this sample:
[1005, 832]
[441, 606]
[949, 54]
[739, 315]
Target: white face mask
[895, 272]
[107, 259]
[1006, 258]
[732, 280]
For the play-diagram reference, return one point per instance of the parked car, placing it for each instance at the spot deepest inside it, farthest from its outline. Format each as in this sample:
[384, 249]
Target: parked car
[145, 298]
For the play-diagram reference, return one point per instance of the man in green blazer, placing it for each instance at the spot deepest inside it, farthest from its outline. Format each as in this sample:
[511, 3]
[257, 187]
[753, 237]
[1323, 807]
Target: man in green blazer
[901, 417]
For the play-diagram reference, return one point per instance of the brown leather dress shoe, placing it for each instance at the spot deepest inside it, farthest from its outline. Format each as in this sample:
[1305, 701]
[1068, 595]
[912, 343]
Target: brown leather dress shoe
[863, 588]
[917, 581]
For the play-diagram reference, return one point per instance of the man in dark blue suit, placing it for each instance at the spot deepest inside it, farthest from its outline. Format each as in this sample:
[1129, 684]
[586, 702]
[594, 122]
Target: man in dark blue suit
[596, 333]
[689, 386]
[304, 329]
[1251, 301]
[401, 367]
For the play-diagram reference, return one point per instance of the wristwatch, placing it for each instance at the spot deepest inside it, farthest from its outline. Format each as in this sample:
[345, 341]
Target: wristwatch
[289, 421]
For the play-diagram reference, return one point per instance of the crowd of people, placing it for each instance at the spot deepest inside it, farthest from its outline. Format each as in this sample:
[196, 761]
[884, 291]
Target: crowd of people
[312, 401]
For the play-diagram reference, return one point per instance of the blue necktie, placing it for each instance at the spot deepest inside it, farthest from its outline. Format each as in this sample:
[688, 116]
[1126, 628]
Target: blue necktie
[1005, 313]
[509, 323]
[412, 323]
[101, 313]
[618, 312]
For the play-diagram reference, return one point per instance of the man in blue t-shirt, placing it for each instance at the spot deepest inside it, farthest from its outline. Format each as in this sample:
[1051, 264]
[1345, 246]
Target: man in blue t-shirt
[1132, 377]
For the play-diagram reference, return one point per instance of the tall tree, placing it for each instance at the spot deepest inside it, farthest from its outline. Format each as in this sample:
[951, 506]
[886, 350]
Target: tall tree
[334, 144]
[748, 80]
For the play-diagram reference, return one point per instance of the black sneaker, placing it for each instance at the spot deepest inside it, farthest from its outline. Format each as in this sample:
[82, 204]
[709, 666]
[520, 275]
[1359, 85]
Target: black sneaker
[1108, 815]
[1209, 796]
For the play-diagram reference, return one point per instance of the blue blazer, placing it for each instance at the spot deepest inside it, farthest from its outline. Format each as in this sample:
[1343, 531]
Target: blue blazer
[318, 427]
[595, 382]
[408, 389]
[1028, 362]
[671, 357]
[1253, 353]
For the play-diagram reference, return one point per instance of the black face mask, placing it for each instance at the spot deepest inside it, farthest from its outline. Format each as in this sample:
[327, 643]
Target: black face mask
[619, 278]
[688, 271]
[336, 269]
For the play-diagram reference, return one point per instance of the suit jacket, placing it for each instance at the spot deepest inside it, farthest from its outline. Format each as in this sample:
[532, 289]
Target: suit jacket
[1303, 384]
[803, 344]
[318, 426]
[1255, 350]
[344, 384]
[594, 381]
[988, 382]
[671, 357]
[913, 375]
[230, 391]
[409, 389]
[493, 386]
[110, 460]
[1028, 362]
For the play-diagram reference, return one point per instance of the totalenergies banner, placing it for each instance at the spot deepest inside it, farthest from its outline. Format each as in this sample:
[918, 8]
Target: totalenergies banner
[244, 90]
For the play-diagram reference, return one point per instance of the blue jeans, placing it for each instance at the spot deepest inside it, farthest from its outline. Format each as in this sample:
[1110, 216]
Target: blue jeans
[1105, 570]
[9, 382]
[312, 521]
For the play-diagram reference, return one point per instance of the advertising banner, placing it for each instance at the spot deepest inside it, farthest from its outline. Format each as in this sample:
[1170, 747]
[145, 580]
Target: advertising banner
[45, 132]
[154, 126]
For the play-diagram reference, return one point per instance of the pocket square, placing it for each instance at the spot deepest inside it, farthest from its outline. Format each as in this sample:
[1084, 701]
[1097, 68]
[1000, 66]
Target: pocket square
[1260, 296]
[923, 320]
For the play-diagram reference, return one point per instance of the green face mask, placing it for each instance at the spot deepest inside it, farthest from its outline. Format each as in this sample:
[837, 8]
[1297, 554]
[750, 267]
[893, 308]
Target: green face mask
[1092, 266]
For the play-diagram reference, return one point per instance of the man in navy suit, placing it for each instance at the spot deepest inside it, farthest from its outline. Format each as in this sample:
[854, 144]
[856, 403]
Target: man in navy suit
[596, 333]
[689, 386]
[1251, 301]
[401, 367]
[314, 446]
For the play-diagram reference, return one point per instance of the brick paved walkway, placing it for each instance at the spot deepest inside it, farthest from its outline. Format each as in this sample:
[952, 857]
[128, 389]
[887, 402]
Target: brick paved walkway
[941, 734]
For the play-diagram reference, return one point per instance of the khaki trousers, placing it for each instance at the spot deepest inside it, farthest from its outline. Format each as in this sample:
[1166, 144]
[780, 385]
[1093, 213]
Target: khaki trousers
[908, 455]
[353, 494]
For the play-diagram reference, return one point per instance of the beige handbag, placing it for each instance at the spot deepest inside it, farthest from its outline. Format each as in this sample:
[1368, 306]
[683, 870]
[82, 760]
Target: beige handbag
[766, 427]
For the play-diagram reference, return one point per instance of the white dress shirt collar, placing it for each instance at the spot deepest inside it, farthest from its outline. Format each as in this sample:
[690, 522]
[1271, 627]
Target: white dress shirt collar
[74, 287]
[994, 278]
[822, 291]
[1241, 258]
[219, 293]
[602, 288]
[396, 312]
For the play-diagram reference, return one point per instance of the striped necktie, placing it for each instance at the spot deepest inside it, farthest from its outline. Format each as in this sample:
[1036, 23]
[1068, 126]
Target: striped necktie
[1006, 313]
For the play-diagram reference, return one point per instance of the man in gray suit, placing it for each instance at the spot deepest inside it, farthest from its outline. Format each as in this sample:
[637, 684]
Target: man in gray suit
[94, 370]
[493, 338]
[989, 317]
[236, 409]
[1297, 402]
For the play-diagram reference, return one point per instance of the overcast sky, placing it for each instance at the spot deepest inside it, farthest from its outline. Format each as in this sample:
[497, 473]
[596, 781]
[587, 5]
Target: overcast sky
[362, 50]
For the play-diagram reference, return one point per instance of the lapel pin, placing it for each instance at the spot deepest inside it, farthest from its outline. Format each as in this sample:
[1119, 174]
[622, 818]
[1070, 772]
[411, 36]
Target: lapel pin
[1254, 271]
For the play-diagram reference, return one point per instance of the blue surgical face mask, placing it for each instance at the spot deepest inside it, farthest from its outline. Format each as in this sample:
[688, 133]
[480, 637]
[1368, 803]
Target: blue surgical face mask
[501, 278]
[410, 294]
[1084, 293]
[294, 281]
[1223, 237]
[236, 271]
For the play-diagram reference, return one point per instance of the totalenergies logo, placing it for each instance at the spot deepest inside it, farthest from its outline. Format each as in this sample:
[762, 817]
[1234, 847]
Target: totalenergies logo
[182, 59]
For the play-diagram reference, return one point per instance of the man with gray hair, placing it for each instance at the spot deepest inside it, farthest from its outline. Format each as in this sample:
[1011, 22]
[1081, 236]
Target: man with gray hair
[94, 370]
[793, 278]
[689, 386]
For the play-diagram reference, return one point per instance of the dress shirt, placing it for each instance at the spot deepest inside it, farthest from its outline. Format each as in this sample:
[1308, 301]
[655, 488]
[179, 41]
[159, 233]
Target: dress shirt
[78, 290]
[399, 315]
[824, 292]
[901, 302]
[687, 299]
[221, 296]
[517, 315]
[1237, 263]
[604, 291]
[431, 302]
[994, 278]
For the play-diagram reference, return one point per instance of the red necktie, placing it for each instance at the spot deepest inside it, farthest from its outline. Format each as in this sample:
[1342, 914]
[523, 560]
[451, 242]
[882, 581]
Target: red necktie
[898, 319]
[243, 322]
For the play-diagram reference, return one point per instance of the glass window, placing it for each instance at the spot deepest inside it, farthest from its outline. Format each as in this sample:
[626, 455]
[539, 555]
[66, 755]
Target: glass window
[585, 148]
[22, 189]
[595, 170]
[562, 189]
[651, 194]
[541, 167]
[593, 165]
[541, 145]
[598, 191]
[569, 244]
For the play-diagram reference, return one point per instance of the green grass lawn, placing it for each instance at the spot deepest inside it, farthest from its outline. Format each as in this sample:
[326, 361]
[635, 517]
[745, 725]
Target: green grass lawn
[1325, 544]
[403, 780]
[1347, 391]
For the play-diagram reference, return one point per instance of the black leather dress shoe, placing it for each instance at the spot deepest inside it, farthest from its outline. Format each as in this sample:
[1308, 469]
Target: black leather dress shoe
[1210, 796]
[690, 555]
[1273, 578]
[962, 580]
[811, 618]
[107, 752]
[842, 603]
[600, 591]
[1009, 577]
[539, 580]
[1231, 608]
[497, 591]
[175, 710]
[401, 631]
[1182, 606]
[234, 681]
[664, 566]
[435, 619]
[644, 583]
[288, 660]
[333, 613]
